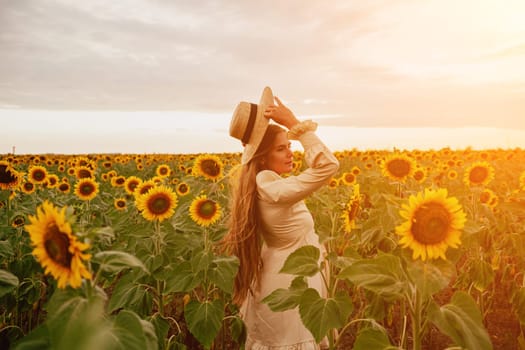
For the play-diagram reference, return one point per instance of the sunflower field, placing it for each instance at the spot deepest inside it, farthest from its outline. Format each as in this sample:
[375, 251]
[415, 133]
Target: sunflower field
[424, 250]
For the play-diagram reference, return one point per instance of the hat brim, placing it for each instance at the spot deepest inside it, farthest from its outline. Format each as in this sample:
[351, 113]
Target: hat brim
[259, 127]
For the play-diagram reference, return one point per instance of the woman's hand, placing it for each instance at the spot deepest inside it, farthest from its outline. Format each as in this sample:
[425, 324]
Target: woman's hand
[281, 114]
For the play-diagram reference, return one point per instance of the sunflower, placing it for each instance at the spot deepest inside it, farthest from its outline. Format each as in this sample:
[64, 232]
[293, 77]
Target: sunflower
[64, 187]
[9, 177]
[204, 211]
[131, 184]
[333, 183]
[452, 174]
[352, 210]
[120, 204]
[56, 248]
[82, 172]
[144, 187]
[479, 173]
[18, 221]
[348, 178]
[118, 181]
[182, 188]
[297, 164]
[158, 203]
[209, 166]
[433, 223]
[488, 197]
[163, 170]
[52, 181]
[37, 174]
[419, 175]
[86, 189]
[398, 166]
[28, 187]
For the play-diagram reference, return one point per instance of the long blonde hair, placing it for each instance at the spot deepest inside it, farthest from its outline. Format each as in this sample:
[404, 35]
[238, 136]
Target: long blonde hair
[243, 238]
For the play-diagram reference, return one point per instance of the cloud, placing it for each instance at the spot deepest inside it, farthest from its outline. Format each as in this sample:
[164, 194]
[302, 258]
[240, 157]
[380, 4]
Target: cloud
[374, 63]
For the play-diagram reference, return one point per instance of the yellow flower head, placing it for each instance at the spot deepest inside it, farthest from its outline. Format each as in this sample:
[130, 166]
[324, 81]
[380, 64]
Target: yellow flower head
[56, 248]
[352, 210]
[182, 188]
[120, 204]
[478, 174]
[37, 174]
[433, 223]
[209, 166]
[9, 178]
[158, 203]
[86, 189]
[204, 211]
[398, 166]
[131, 184]
[163, 170]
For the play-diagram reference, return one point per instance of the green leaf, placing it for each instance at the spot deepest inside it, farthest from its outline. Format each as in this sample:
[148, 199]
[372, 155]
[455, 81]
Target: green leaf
[285, 299]
[238, 330]
[372, 339]
[6, 250]
[222, 272]
[303, 262]
[133, 333]
[182, 278]
[78, 322]
[382, 275]
[461, 320]
[201, 261]
[430, 276]
[8, 282]
[130, 293]
[482, 274]
[204, 320]
[113, 261]
[320, 315]
[162, 327]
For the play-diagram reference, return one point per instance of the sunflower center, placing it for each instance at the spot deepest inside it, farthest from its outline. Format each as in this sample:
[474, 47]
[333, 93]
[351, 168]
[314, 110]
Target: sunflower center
[484, 197]
[6, 176]
[84, 173]
[87, 189]
[158, 204]
[398, 167]
[418, 175]
[210, 167]
[349, 178]
[39, 175]
[132, 185]
[207, 209]
[183, 188]
[431, 223]
[56, 244]
[478, 174]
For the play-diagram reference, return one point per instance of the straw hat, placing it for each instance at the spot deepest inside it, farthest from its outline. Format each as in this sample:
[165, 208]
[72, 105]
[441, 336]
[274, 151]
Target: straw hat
[249, 124]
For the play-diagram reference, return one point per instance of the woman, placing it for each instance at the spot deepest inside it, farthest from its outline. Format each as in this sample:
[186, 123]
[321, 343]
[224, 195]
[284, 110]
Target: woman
[269, 219]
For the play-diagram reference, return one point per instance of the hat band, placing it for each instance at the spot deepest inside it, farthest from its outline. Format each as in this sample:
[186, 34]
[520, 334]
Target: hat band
[251, 123]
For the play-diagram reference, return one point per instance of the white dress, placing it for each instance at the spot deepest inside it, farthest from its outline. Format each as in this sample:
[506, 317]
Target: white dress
[287, 225]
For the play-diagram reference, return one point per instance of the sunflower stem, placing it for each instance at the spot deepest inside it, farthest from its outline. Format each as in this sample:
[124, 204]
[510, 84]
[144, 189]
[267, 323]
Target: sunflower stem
[158, 251]
[416, 321]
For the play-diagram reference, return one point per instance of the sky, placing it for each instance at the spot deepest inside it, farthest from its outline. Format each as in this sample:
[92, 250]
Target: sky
[165, 75]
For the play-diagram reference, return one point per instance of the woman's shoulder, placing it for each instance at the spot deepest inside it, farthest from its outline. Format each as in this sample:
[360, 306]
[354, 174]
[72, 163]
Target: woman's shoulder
[265, 176]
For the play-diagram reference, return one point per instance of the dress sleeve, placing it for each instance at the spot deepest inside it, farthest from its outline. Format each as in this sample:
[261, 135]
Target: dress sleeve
[322, 165]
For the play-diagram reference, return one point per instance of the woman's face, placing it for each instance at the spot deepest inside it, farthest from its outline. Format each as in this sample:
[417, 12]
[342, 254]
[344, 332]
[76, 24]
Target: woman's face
[280, 157]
